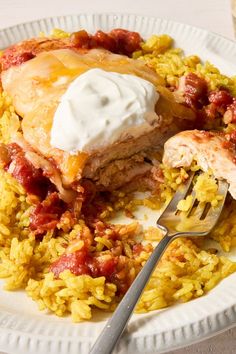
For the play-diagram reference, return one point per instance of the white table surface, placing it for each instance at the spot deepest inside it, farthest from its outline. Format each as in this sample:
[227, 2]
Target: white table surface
[214, 15]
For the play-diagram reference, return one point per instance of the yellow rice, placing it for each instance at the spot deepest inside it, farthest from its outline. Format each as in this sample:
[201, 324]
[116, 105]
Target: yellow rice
[171, 63]
[186, 270]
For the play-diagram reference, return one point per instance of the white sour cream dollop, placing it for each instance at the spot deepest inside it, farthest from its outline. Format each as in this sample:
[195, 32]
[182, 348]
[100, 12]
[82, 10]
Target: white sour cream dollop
[98, 107]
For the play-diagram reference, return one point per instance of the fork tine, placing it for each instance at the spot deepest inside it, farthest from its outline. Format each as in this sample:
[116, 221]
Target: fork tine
[192, 203]
[214, 213]
[179, 195]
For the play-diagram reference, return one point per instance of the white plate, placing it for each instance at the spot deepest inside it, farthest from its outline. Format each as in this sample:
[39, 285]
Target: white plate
[25, 330]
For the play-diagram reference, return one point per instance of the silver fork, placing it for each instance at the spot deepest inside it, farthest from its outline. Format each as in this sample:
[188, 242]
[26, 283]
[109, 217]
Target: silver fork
[205, 220]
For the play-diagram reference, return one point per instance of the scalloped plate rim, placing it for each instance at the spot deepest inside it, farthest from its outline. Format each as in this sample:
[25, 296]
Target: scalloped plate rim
[187, 340]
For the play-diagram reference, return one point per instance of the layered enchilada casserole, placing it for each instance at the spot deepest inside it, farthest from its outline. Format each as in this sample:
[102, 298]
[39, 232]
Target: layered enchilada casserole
[95, 125]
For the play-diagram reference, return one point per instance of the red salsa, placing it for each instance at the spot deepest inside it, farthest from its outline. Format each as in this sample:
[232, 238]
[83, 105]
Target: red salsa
[82, 262]
[118, 41]
[46, 215]
[25, 173]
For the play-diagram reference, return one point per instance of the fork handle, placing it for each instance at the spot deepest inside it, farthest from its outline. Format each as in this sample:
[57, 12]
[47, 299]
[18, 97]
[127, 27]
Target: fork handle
[117, 323]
